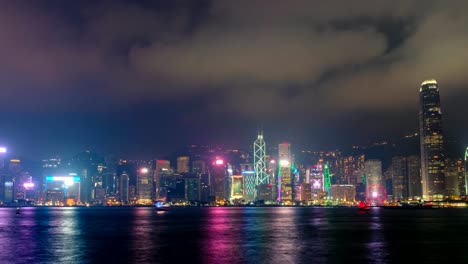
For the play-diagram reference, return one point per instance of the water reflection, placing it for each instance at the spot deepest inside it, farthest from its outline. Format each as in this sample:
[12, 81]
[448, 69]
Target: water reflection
[64, 241]
[251, 235]
[222, 241]
[376, 245]
[143, 236]
[231, 235]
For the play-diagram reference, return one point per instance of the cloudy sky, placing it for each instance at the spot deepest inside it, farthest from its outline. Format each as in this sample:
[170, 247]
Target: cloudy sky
[140, 78]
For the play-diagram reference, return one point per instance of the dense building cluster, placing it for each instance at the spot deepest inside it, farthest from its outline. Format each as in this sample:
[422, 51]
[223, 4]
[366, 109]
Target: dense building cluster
[278, 175]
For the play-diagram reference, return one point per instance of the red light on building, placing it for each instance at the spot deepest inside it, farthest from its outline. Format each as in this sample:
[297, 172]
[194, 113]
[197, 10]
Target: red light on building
[219, 162]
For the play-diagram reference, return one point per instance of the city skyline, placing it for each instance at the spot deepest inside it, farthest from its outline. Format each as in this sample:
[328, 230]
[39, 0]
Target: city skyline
[227, 131]
[140, 78]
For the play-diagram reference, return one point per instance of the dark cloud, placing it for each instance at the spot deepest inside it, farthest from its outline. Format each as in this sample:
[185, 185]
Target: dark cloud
[244, 59]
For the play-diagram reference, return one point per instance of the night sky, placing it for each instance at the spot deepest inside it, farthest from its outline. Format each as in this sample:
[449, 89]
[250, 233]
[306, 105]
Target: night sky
[142, 78]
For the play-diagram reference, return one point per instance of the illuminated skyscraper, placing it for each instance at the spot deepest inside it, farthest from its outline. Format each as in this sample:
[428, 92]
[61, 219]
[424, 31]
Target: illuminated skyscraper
[162, 166]
[284, 173]
[183, 164]
[414, 177]
[261, 177]
[399, 178]
[124, 181]
[432, 141]
[237, 187]
[453, 173]
[326, 179]
[218, 174]
[466, 171]
[144, 186]
[250, 189]
[375, 192]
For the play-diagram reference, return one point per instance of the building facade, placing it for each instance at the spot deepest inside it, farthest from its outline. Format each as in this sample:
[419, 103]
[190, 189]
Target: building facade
[375, 190]
[414, 177]
[183, 164]
[400, 178]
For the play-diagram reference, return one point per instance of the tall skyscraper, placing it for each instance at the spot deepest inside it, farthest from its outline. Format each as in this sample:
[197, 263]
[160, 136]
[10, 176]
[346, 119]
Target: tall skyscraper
[124, 181]
[144, 186]
[414, 177]
[261, 177]
[399, 178]
[466, 171]
[183, 164]
[432, 141]
[284, 173]
[161, 166]
[218, 174]
[453, 173]
[250, 189]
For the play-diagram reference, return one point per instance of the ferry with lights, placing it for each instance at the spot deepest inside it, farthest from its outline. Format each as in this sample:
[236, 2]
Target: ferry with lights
[160, 206]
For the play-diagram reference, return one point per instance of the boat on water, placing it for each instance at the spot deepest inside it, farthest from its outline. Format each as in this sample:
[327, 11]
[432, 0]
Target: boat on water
[363, 206]
[160, 206]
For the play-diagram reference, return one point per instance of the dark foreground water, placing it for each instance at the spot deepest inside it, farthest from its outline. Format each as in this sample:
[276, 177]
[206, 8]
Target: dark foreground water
[233, 235]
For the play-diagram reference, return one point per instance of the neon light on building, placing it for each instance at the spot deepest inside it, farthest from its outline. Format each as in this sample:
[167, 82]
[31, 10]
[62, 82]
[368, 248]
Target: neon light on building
[326, 179]
[237, 187]
[68, 180]
[376, 193]
[261, 177]
[61, 188]
[28, 185]
[250, 189]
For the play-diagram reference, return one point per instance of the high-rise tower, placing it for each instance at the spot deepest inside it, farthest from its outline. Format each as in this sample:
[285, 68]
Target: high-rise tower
[466, 172]
[432, 141]
[261, 177]
[284, 173]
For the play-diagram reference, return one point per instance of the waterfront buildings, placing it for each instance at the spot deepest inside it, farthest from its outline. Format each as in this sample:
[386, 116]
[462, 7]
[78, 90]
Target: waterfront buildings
[124, 190]
[343, 193]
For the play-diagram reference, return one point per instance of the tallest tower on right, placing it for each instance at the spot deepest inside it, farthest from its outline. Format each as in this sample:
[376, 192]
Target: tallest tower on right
[432, 142]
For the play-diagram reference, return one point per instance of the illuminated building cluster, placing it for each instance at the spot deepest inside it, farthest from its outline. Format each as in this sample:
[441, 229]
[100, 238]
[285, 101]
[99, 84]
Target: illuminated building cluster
[204, 175]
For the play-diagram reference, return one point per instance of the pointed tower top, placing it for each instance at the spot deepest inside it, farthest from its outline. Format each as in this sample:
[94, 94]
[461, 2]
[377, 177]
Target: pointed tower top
[260, 131]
